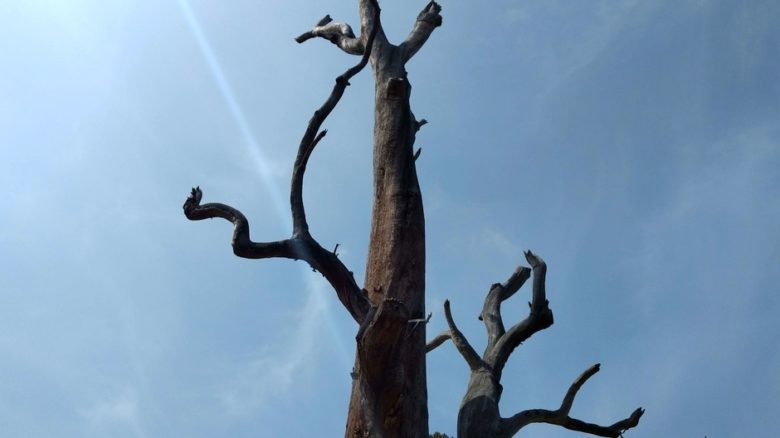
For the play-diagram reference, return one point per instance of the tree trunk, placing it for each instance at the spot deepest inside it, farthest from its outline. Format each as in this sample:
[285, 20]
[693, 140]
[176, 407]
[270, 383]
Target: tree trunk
[389, 395]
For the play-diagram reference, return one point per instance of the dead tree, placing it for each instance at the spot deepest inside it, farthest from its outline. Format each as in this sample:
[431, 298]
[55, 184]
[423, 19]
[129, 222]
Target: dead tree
[479, 415]
[389, 393]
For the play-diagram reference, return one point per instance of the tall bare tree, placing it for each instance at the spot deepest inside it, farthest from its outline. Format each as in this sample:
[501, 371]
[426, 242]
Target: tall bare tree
[389, 392]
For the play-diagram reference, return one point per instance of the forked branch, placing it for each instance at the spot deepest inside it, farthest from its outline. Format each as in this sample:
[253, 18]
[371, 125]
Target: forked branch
[491, 310]
[311, 137]
[560, 417]
[341, 34]
[461, 343]
[301, 245]
[539, 318]
[337, 33]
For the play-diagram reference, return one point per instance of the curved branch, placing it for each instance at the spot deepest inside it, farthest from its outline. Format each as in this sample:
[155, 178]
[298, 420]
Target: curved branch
[539, 319]
[301, 245]
[354, 299]
[568, 399]
[242, 243]
[560, 417]
[437, 341]
[341, 34]
[337, 33]
[428, 20]
[491, 310]
[311, 138]
[461, 343]
[350, 295]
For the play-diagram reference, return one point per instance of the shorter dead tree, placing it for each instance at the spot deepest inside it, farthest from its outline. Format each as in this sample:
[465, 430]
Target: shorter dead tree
[479, 415]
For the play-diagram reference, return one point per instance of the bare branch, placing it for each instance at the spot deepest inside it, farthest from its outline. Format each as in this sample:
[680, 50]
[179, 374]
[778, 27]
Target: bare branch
[302, 245]
[491, 310]
[561, 416]
[350, 295]
[517, 422]
[428, 20]
[539, 303]
[337, 33]
[438, 340]
[419, 124]
[309, 141]
[514, 282]
[242, 243]
[461, 343]
[354, 299]
[568, 399]
[539, 319]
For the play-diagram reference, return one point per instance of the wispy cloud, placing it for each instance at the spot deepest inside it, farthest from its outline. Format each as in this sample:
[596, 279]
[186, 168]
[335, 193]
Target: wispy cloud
[274, 372]
[556, 54]
[500, 242]
[119, 412]
[698, 276]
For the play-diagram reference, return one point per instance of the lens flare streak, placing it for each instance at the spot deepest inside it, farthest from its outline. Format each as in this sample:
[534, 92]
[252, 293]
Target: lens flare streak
[253, 148]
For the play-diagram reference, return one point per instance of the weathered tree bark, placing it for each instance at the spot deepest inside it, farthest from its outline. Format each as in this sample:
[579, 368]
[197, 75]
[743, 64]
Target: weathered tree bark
[389, 392]
[479, 414]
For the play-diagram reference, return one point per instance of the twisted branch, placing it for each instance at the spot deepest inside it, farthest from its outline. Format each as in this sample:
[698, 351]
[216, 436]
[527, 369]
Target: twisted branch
[301, 245]
[337, 33]
[311, 137]
[341, 34]
[241, 242]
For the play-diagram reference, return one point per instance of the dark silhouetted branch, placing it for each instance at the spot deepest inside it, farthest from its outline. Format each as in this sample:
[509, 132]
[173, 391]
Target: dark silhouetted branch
[419, 124]
[428, 20]
[560, 417]
[311, 137]
[300, 226]
[242, 244]
[301, 245]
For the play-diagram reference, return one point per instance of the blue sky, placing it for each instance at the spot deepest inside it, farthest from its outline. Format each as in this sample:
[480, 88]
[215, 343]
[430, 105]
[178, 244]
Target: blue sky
[634, 145]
